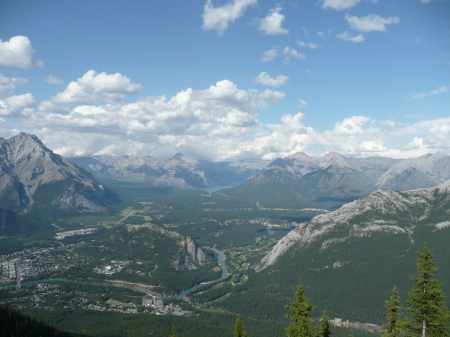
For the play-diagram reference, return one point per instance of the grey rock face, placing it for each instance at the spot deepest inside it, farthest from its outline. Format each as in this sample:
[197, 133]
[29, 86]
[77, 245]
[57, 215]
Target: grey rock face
[190, 255]
[28, 166]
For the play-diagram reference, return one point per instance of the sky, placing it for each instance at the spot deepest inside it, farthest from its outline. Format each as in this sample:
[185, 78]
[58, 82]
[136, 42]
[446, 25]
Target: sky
[231, 80]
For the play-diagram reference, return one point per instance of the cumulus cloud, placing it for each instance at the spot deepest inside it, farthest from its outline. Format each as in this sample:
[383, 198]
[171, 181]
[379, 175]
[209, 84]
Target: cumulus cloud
[219, 123]
[17, 53]
[370, 23]
[264, 78]
[218, 18]
[18, 104]
[339, 4]
[309, 45]
[273, 96]
[439, 90]
[220, 129]
[271, 24]
[92, 88]
[346, 36]
[270, 54]
[207, 122]
[342, 4]
[8, 85]
[52, 79]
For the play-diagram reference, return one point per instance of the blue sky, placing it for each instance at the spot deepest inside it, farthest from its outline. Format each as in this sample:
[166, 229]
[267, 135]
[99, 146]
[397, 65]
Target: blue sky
[228, 79]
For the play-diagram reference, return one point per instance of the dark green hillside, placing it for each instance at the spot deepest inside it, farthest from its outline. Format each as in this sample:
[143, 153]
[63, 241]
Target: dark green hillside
[350, 281]
[350, 268]
[14, 323]
[14, 224]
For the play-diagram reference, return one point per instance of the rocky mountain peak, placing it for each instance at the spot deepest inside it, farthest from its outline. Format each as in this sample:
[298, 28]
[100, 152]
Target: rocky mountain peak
[27, 165]
[298, 155]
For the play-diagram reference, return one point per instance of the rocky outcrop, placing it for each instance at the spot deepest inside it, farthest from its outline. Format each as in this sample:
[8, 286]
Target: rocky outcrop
[191, 255]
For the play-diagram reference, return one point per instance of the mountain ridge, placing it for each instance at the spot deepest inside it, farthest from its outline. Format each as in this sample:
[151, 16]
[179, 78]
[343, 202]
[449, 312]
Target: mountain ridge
[28, 167]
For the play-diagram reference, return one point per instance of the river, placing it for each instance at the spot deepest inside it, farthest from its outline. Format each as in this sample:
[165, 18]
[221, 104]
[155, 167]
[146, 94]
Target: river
[226, 272]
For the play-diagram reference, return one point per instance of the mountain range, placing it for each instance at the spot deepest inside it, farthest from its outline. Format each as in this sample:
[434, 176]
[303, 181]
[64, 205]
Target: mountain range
[307, 180]
[177, 171]
[33, 177]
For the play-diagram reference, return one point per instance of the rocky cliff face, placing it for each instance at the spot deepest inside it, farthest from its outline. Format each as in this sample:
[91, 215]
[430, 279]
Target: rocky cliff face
[28, 168]
[384, 211]
[189, 256]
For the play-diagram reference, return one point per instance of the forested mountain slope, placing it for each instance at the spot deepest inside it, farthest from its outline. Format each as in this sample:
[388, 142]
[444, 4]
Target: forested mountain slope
[348, 260]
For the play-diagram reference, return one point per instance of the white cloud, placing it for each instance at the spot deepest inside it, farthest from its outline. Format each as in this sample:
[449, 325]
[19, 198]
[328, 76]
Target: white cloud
[342, 4]
[264, 78]
[270, 54]
[346, 36]
[302, 104]
[92, 88]
[8, 85]
[219, 122]
[370, 23]
[218, 18]
[52, 79]
[439, 90]
[271, 24]
[200, 121]
[289, 53]
[14, 105]
[17, 53]
[309, 45]
[273, 96]
[339, 4]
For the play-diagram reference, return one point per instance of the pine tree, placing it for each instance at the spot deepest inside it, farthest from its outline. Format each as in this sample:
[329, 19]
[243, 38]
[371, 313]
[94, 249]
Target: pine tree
[394, 317]
[429, 316]
[301, 325]
[174, 333]
[325, 326]
[239, 328]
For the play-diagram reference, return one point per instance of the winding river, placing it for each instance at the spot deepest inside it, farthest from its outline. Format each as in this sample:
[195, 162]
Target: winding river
[221, 257]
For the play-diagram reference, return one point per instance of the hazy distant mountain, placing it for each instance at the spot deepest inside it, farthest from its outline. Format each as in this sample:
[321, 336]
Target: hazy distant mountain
[177, 171]
[32, 176]
[428, 170]
[310, 179]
